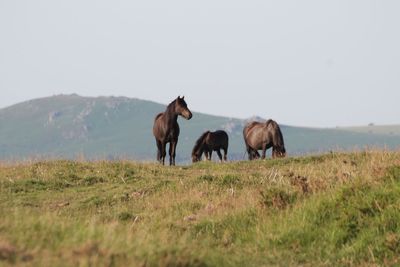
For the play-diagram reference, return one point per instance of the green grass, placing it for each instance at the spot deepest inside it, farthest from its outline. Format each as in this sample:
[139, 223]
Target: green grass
[331, 210]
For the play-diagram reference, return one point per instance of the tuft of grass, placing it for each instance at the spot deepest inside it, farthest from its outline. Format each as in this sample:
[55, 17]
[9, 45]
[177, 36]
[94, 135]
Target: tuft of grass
[92, 180]
[230, 180]
[126, 216]
[277, 198]
[393, 174]
[207, 178]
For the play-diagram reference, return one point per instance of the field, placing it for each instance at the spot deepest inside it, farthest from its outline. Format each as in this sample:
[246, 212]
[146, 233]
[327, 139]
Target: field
[335, 209]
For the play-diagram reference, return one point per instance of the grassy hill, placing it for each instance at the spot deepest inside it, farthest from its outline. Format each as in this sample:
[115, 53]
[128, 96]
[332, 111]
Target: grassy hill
[330, 210]
[71, 126]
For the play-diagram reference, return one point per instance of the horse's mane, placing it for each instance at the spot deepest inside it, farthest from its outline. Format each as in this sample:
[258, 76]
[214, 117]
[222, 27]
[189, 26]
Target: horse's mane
[199, 142]
[279, 137]
[170, 106]
[167, 110]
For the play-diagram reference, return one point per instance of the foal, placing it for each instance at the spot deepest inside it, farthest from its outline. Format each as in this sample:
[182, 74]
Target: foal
[209, 142]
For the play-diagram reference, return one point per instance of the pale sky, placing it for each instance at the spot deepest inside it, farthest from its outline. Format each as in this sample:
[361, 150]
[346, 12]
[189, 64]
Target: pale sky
[305, 63]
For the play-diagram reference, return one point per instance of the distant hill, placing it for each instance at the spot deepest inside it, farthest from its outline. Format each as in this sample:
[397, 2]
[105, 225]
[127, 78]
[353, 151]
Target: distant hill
[391, 130]
[71, 126]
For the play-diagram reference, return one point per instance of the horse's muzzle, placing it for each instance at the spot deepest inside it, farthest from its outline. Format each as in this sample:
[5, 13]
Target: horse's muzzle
[195, 158]
[187, 115]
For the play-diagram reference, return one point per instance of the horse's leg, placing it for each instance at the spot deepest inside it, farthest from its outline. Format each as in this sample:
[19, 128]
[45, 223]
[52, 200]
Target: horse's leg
[275, 153]
[249, 152]
[163, 152]
[264, 151]
[206, 154]
[172, 154]
[225, 154]
[159, 148]
[219, 155]
[256, 155]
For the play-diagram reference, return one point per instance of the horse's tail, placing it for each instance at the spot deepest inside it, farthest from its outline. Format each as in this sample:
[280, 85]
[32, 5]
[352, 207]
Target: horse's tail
[227, 140]
[246, 131]
[156, 126]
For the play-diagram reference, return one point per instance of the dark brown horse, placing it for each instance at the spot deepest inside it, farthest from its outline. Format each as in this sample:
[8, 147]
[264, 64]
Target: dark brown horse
[261, 136]
[166, 128]
[209, 142]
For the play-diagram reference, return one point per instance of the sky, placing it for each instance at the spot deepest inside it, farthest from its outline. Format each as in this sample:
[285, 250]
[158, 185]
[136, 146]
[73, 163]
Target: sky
[314, 63]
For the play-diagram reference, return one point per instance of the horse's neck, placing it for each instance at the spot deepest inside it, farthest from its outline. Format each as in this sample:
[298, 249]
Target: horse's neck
[170, 116]
[171, 119]
[200, 150]
[199, 146]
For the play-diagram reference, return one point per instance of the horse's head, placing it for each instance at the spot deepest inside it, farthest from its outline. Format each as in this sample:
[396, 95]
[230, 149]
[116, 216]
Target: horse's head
[279, 152]
[182, 109]
[199, 147]
[195, 158]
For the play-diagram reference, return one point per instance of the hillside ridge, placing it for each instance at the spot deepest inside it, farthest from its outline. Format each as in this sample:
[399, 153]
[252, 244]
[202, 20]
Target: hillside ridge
[71, 126]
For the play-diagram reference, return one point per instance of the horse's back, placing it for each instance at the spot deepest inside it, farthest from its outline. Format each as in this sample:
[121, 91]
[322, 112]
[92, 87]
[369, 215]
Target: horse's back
[225, 139]
[220, 134]
[256, 134]
[250, 127]
[218, 138]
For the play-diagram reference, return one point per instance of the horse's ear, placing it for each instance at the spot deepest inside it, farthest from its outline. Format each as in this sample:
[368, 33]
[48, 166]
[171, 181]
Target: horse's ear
[183, 97]
[179, 97]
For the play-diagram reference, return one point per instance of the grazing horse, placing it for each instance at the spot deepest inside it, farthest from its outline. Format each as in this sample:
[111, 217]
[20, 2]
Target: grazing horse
[166, 128]
[261, 136]
[209, 142]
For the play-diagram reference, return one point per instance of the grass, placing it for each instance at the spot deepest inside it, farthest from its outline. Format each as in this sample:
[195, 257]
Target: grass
[329, 210]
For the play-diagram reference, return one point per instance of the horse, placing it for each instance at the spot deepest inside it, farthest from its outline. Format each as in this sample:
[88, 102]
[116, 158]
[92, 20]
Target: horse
[166, 128]
[261, 136]
[209, 142]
